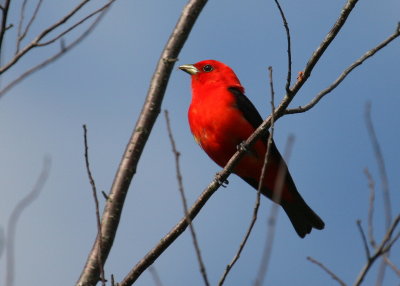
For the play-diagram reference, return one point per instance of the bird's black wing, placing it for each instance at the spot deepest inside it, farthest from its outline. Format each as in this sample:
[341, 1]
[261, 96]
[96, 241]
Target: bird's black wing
[246, 107]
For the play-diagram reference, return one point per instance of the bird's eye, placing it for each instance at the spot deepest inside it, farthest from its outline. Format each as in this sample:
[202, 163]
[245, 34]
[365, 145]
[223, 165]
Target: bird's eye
[208, 68]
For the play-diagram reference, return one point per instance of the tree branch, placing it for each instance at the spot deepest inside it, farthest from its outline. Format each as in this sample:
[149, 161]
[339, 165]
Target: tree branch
[38, 38]
[327, 270]
[258, 195]
[181, 226]
[345, 73]
[184, 201]
[63, 50]
[141, 132]
[16, 214]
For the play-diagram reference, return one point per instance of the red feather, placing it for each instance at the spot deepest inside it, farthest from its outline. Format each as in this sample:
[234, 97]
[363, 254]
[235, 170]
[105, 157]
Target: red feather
[221, 117]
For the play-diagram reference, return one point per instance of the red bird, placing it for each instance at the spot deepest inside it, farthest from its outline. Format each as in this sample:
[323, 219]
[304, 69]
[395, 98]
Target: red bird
[221, 117]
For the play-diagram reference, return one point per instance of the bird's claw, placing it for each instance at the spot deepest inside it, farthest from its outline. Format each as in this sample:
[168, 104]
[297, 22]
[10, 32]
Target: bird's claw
[222, 183]
[242, 147]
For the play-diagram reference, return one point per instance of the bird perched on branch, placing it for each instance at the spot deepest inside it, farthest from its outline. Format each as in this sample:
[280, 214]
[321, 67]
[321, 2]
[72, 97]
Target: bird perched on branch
[221, 117]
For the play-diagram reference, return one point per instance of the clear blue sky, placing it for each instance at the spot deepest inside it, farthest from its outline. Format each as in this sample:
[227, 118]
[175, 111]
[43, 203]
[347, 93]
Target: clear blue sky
[103, 82]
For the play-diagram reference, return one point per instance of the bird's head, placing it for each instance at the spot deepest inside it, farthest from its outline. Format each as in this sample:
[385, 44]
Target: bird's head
[212, 73]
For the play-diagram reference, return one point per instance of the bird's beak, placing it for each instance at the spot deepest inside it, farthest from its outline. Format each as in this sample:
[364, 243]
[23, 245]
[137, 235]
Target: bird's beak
[190, 69]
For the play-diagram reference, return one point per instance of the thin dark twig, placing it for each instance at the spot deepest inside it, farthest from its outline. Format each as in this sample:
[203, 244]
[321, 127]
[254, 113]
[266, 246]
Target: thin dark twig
[364, 238]
[277, 192]
[371, 185]
[96, 202]
[180, 227]
[326, 269]
[344, 74]
[384, 179]
[289, 49]
[184, 200]
[63, 50]
[384, 247]
[258, 195]
[3, 25]
[16, 214]
[130, 158]
[154, 274]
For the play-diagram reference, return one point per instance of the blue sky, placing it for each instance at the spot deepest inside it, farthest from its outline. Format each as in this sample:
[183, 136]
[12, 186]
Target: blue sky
[103, 82]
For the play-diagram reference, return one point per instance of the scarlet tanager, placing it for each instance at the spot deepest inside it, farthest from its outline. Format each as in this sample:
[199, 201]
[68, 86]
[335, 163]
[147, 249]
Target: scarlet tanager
[221, 117]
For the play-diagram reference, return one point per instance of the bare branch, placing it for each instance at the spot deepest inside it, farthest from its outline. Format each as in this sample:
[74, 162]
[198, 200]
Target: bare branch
[101, 9]
[63, 50]
[258, 195]
[333, 275]
[96, 202]
[345, 73]
[384, 179]
[21, 35]
[184, 201]
[263, 269]
[383, 248]
[155, 276]
[289, 50]
[364, 238]
[381, 163]
[16, 214]
[3, 26]
[131, 156]
[38, 38]
[371, 185]
[391, 264]
[180, 227]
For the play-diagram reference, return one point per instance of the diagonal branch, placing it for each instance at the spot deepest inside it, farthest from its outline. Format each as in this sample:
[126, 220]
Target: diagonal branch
[345, 73]
[184, 201]
[141, 132]
[258, 196]
[39, 37]
[63, 50]
[181, 226]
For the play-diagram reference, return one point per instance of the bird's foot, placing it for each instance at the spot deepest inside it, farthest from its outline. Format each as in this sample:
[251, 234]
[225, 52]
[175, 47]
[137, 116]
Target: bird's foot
[223, 183]
[242, 147]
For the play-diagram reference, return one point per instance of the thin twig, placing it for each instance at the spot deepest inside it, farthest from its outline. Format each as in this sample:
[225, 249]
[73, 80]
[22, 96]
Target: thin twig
[326, 269]
[392, 265]
[63, 50]
[154, 274]
[364, 238]
[371, 185]
[381, 163]
[258, 194]
[96, 203]
[20, 35]
[80, 22]
[184, 201]
[277, 192]
[289, 50]
[344, 74]
[39, 37]
[384, 179]
[133, 151]
[3, 26]
[180, 227]
[384, 247]
[16, 214]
